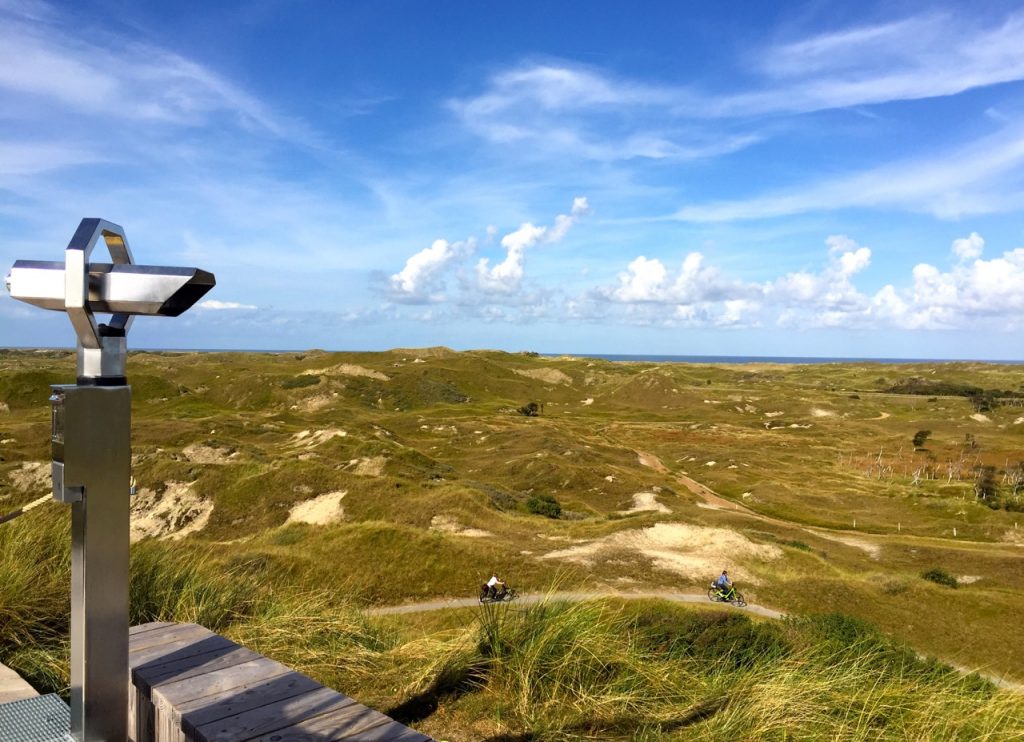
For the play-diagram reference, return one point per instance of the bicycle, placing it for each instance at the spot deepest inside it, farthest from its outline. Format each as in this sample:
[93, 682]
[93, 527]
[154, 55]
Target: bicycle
[732, 596]
[487, 595]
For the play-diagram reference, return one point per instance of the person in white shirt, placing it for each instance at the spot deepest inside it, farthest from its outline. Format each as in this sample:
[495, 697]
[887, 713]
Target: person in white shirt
[495, 584]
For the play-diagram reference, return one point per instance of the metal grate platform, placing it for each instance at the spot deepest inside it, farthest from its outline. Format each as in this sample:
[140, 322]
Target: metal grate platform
[40, 719]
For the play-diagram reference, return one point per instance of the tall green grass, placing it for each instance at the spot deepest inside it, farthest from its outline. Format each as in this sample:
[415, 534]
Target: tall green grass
[549, 671]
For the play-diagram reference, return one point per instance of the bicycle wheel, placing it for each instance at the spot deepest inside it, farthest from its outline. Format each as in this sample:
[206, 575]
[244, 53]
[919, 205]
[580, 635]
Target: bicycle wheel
[738, 600]
[713, 594]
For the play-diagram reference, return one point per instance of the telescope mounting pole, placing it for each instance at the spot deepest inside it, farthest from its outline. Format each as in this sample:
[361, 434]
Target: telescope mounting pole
[90, 445]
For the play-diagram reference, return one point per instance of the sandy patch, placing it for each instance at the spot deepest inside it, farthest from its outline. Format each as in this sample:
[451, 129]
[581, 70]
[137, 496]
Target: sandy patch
[646, 501]
[319, 511]
[312, 439]
[776, 413]
[198, 453]
[4, 409]
[547, 375]
[818, 412]
[651, 461]
[172, 514]
[32, 476]
[315, 403]
[881, 416]
[448, 524]
[968, 579]
[872, 550]
[1014, 536]
[692, 551]
[1018, 421]
[372, 466]
[588, 401]
[978, 417]
[349, 369]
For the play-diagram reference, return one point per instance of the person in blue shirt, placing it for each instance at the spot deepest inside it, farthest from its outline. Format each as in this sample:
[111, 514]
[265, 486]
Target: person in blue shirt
[724, 584]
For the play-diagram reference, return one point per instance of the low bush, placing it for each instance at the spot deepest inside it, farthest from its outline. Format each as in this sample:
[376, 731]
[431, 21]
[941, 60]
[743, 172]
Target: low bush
[545, 505]
[530, 409]
[303, 380]
[940, 577]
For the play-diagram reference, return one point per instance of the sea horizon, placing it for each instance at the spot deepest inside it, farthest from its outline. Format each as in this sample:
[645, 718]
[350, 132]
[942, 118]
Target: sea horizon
[614, 357]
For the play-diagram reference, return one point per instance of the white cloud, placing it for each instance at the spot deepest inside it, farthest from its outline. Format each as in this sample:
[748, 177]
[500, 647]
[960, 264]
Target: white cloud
[560, 108]
[649, 281]
[506, 277]
[922, 56]
[564, 108]
[421, 280]
[92, 73]
[220, 306]
[970, 247]
[984, 177]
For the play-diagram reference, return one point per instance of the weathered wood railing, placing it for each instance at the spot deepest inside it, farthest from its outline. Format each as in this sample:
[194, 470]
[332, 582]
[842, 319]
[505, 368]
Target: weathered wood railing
[191, 685]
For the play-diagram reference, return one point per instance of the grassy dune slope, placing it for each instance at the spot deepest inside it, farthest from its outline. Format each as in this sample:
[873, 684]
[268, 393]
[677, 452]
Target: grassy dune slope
[801, 480]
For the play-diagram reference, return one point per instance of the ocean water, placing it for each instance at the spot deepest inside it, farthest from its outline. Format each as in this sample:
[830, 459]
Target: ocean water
[767, 359]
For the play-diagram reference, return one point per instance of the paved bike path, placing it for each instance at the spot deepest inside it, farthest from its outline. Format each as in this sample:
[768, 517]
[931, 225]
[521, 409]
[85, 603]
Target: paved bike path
[440, 605]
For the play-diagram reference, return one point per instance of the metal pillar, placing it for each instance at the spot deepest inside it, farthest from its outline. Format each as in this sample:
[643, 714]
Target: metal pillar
[96, 466]
[91, 450]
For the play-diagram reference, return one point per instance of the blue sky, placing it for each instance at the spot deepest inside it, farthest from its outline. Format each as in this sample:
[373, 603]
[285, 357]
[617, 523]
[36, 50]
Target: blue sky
[831, 179]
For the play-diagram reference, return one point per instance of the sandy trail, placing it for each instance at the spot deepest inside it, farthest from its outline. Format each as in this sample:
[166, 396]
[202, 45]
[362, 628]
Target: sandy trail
[450, 603]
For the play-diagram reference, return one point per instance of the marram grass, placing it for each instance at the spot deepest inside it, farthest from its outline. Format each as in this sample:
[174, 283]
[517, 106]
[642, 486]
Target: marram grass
[550, 671]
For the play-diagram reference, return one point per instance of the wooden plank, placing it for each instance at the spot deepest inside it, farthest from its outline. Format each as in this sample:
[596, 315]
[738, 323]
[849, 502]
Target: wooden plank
[189, 684]
[180, 650]
[343, 724]
[168, 696]
[144, 627]
[218, 681]
[189, 667]
[264, 714]
[181, 646]
[164, 635]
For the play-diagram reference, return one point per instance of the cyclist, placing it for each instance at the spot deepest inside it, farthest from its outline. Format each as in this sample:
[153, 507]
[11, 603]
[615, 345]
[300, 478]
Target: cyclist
[724, 585]
[496, 586]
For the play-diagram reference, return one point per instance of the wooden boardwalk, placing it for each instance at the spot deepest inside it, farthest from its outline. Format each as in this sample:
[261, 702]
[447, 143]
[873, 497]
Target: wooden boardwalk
[191, 685]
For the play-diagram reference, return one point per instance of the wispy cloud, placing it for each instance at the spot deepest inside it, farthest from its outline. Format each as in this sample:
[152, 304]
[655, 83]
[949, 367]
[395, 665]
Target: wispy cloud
[215, 305]
[924, 56]
[115, 79]
[983, 177]
[564, 107]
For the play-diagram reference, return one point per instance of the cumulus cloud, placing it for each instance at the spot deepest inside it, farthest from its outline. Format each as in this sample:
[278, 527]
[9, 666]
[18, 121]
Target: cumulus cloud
[832, 288]
[649, 281]
[971, 291]
[506, 277]
[970, 247]
[422, 279]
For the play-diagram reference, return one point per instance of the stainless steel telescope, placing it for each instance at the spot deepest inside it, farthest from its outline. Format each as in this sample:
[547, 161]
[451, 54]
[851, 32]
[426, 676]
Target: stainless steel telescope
[91, 449]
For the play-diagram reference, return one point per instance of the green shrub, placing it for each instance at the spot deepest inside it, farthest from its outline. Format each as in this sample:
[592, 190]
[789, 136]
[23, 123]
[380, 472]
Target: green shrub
[530, 409]
[545, 505]
[940, 577]
[297, 382]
